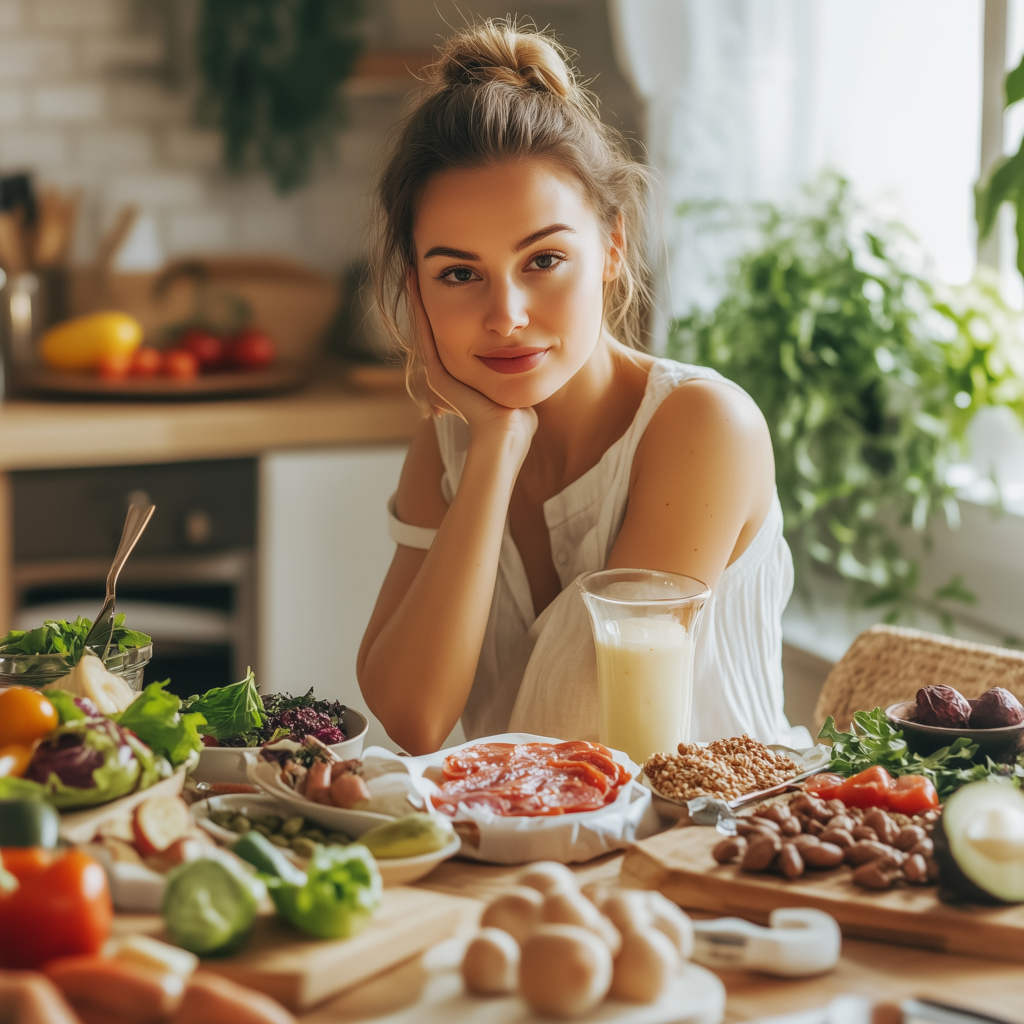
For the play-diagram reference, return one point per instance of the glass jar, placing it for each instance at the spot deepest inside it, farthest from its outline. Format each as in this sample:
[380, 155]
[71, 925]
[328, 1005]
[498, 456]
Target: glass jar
[40, 669]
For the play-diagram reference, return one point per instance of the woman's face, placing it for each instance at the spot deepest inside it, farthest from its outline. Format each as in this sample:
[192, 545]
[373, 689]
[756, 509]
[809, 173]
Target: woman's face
[511, 263]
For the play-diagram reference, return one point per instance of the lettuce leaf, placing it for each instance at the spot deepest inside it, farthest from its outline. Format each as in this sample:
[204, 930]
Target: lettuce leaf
[230, 710]
[154, 717]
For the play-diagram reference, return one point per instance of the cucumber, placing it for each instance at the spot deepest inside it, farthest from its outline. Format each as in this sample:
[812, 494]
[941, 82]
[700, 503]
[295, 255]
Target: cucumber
[267, 858]
[28, 823]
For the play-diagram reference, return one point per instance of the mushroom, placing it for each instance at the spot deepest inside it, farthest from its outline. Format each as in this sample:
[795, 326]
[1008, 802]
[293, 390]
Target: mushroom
[644, 967]
[564, 971]
[490, 966]
[548, 875]
[574, 908]
[670, 920]
[516, 911]
[628, 910]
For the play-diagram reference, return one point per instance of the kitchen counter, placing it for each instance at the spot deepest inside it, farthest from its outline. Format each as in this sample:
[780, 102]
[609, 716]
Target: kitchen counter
[60, 434]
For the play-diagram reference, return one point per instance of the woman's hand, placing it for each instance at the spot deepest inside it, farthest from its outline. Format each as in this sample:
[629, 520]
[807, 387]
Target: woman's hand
[451, 395]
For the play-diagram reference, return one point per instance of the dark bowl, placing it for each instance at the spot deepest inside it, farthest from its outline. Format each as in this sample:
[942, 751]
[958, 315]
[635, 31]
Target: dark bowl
[1002, 744]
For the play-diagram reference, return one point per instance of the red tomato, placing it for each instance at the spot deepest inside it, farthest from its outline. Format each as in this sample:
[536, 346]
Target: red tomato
[114, 366]
[912, 794]
[146, 362]
[180, 364]
[870, 788]
[826, 785]
[250, 350]
[207, 348]
[58, 910]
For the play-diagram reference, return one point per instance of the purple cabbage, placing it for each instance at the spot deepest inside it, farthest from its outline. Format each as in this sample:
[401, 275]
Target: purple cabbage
[72, 760]
[330, 734]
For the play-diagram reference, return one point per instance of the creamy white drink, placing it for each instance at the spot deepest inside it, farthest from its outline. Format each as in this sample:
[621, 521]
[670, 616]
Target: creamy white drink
[645, 684]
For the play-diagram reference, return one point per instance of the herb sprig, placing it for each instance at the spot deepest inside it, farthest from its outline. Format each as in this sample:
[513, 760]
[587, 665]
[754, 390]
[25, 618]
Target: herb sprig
[58, 636]
[872, 740]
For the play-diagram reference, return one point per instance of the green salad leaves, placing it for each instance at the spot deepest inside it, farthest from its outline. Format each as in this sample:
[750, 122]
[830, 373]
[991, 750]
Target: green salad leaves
[229, 710]
[154, 717]
[872, 740]
[58, 636]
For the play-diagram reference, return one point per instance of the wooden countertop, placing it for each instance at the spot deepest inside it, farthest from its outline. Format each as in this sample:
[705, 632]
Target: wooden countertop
[58, 434]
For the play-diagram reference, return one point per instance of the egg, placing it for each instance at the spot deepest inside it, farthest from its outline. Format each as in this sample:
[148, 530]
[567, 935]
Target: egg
[628, 910]
[574, 908]
[670, 920]
[548, 875]
[516, 911]
[644, 967]
[490, 966]
[564, 971]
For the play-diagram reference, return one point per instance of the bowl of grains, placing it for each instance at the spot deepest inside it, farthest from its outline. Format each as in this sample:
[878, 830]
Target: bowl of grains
[732, 769]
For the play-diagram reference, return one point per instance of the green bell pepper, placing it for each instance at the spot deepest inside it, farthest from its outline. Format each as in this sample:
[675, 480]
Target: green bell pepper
[341, 892]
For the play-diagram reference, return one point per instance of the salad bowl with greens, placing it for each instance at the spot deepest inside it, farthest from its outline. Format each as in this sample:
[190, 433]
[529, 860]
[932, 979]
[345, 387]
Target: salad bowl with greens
[238, 719]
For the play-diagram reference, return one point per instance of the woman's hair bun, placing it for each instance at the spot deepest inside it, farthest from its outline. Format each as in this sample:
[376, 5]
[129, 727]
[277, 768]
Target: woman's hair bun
[496, 51]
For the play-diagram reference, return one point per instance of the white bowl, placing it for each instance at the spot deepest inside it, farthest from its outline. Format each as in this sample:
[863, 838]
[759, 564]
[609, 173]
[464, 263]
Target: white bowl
[393, 870]
[227, 764]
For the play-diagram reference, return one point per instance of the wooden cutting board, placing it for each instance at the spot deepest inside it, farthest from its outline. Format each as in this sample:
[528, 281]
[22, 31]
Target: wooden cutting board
[300, 972]
[679, 864]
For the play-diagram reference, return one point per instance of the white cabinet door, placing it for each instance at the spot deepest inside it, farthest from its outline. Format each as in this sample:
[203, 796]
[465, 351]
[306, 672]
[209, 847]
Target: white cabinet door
[324, 550]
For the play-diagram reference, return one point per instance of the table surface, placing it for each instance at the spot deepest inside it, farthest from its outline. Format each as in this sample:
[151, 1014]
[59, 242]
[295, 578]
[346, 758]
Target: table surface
[38, 434]
[875, 970]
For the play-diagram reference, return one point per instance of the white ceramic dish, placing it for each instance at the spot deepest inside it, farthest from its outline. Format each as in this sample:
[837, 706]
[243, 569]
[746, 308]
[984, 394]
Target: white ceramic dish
[393, 871]
[227, 764]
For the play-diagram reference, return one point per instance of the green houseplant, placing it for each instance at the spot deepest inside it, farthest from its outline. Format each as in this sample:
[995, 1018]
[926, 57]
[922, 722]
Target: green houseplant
[868, 376]
[271, 72]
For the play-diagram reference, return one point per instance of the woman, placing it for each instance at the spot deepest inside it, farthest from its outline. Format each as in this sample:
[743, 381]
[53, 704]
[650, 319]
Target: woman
[512, 237]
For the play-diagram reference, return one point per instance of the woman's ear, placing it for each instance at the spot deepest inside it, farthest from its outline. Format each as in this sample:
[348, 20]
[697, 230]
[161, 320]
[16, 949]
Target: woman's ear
[615, 254]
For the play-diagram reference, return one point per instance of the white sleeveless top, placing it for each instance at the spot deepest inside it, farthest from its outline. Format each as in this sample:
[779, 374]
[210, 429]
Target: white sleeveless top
[538, 674]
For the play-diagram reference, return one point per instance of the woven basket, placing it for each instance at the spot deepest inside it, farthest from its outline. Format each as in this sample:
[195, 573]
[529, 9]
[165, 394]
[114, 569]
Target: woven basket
[886, 664]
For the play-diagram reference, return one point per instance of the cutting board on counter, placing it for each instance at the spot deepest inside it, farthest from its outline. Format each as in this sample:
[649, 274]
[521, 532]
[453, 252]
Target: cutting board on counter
[679, 864]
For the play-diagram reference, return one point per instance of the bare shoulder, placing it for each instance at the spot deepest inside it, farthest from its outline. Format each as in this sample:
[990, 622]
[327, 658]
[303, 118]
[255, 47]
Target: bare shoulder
[420, 501]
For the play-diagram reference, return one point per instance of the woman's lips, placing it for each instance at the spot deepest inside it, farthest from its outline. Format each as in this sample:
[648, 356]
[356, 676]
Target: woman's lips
[513, 360]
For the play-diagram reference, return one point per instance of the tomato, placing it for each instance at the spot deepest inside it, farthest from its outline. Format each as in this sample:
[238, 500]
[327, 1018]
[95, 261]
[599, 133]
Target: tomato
[146, 362]
[251, 350]
[206, 347]
[25, 715]
[24, 861]
[114, 365]
[825, 786]
[180, 365]
[15, 758]
[61, 909]
[870, 788]
[913, 794]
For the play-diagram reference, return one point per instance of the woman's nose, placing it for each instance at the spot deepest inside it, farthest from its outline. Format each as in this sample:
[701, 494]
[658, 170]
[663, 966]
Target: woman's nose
[507, 309]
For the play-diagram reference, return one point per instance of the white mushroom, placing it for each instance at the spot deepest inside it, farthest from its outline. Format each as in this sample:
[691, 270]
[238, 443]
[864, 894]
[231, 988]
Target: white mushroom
[644, 967]
[490, 966]
[565, 970]
[576, 909]
[670, 920]
[516, 911]
[628, 910]
[547, 875]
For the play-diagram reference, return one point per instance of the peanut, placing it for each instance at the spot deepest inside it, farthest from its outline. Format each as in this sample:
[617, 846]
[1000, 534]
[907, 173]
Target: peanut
[837, 837]
[865, 832]
[909, 837]
[775, 812]
[823, 856]
[760, 853]
[886, 828]
[872, 876]
[765, 823]
[865, 851]
[789, 861]
[790, 827]
[916, 870]
[842, 821]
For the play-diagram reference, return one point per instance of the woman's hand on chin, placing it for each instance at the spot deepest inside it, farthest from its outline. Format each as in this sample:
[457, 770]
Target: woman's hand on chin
[451, 395]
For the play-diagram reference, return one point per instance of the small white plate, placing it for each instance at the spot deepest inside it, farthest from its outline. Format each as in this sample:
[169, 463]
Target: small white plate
[403, 870]
[227, 764]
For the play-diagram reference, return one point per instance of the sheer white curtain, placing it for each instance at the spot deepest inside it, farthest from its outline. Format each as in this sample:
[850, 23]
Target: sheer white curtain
[749, 99]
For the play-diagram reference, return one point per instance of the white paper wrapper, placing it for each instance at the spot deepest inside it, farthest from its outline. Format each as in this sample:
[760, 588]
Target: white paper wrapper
[567, 838]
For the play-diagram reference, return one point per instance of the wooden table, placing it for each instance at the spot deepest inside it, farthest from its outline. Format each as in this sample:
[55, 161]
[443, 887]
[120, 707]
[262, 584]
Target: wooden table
[875, 970]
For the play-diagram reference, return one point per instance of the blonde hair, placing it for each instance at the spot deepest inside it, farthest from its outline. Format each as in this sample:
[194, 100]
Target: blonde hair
[499, 94]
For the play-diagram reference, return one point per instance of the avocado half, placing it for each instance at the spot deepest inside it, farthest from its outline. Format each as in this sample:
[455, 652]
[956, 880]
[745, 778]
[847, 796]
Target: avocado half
[979, 844]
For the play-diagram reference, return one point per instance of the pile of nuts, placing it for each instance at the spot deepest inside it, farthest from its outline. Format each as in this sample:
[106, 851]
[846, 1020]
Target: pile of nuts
[810, 833]
[725, 768]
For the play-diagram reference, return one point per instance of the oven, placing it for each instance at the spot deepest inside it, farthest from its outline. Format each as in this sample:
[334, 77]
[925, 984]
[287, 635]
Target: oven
[191, 581]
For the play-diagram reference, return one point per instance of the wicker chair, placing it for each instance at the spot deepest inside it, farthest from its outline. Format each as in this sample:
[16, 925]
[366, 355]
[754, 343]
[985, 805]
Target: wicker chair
[886, 664]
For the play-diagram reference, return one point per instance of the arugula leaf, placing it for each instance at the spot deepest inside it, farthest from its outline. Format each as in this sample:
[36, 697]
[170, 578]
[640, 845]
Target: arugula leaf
[58, 636]
[154, 717]
[872, 740]
[230, 710]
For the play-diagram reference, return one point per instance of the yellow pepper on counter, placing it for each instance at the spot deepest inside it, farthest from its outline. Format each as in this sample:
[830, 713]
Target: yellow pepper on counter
[80, 343]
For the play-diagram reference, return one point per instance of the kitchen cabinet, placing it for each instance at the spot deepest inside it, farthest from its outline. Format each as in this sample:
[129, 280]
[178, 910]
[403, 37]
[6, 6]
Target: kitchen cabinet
[324, 550]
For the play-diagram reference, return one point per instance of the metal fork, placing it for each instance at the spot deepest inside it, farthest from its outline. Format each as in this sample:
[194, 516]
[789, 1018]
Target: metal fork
[134, 523]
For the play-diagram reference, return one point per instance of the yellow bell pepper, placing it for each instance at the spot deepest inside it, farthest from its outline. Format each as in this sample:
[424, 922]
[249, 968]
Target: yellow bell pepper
[79, 344]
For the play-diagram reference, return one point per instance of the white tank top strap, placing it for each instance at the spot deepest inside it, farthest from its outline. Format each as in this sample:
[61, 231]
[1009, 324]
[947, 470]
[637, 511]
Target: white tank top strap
[408, 536]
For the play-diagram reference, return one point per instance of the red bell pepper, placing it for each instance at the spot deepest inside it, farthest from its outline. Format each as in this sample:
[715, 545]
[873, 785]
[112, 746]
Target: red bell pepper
[869, 788]
[913, 794]
[826, 785]
[59, 907]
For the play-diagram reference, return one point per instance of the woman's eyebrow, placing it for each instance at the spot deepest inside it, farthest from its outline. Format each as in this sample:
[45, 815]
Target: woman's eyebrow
[462, 254]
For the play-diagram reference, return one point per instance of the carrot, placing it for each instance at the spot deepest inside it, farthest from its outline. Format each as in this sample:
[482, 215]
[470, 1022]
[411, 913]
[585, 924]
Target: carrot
[210, 999]
[318, 783]
[113, 990]
[29, 997]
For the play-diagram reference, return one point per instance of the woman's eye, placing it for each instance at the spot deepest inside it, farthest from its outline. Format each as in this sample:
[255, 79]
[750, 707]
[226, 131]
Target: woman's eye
[546, 260]
[462, 274]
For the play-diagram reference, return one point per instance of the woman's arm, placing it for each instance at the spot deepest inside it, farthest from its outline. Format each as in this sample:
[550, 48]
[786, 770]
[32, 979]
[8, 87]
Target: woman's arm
[701, 485]
[419, 655]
